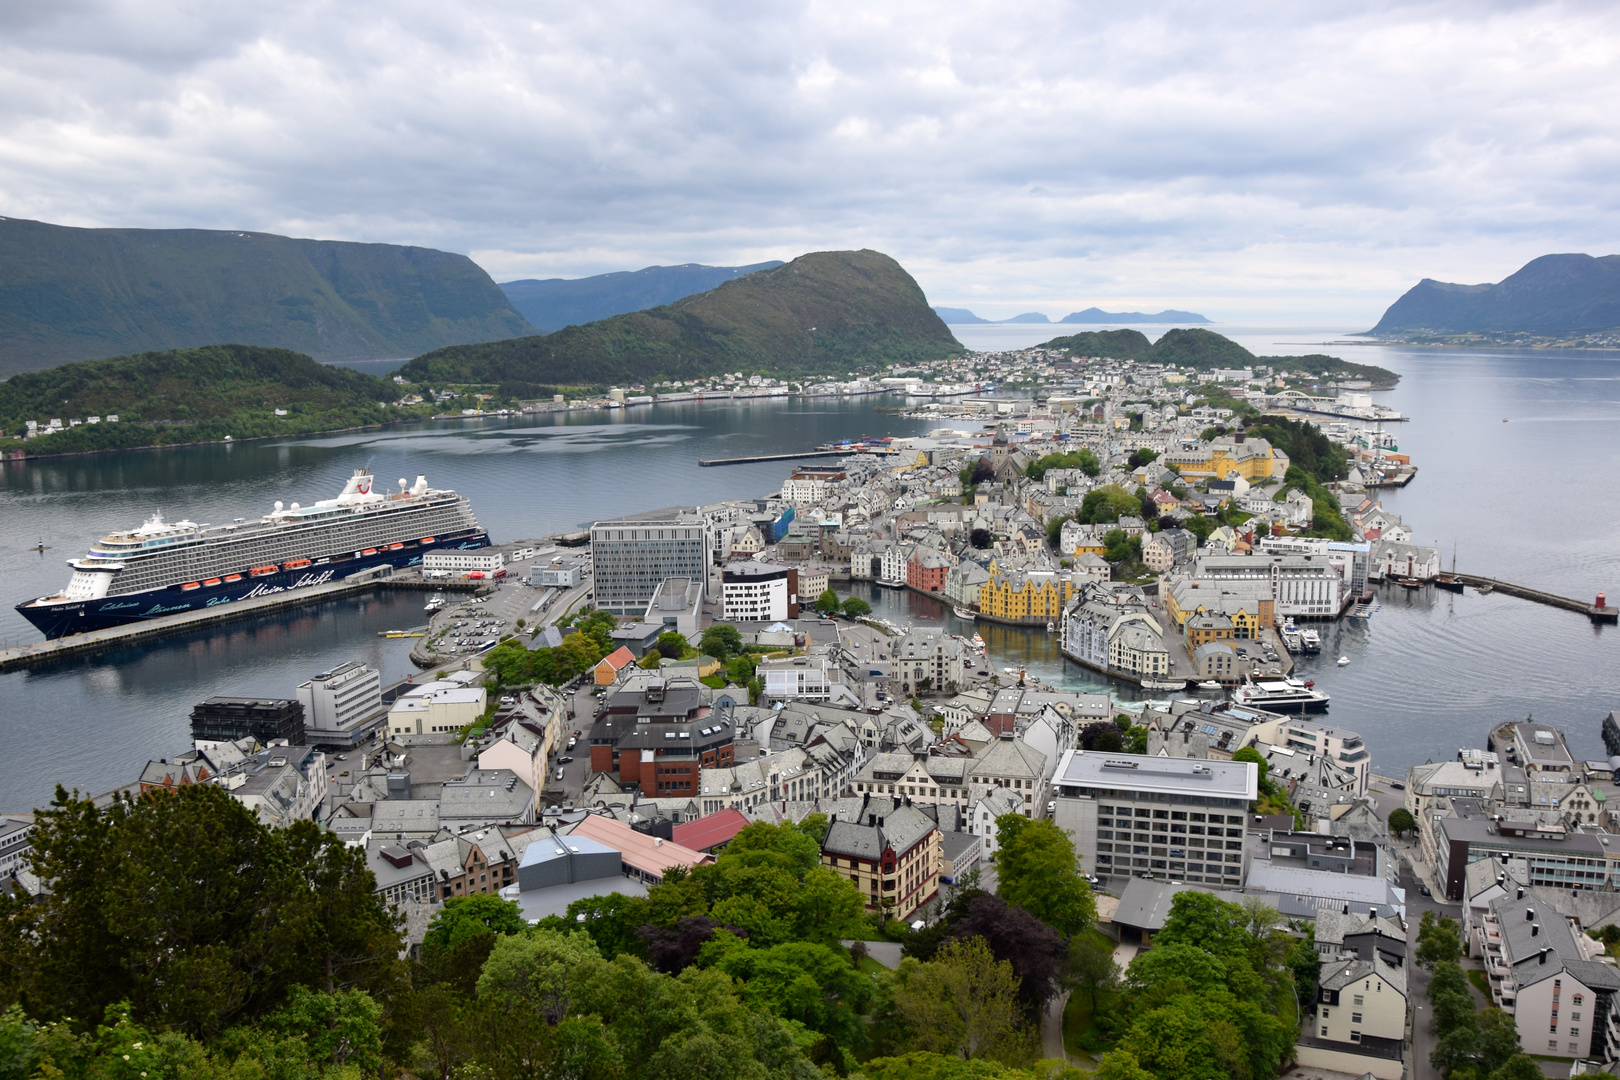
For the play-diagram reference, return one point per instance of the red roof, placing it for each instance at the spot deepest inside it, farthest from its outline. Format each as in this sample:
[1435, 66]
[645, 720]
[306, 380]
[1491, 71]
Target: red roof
[710, 832]
[618, 658]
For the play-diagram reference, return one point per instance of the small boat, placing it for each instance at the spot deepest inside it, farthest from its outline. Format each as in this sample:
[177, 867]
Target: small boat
[1050, 626]
[395, 547]
[188, 586]
[232, 577]
[978, 642]
[962, 613]
[1344, 661]
[1448, 582]
[1310, 642]
[1504, 419]
[427, 539]
[263, 571]
[1409, 583]
[1485, 589]
[1209, 684]
[369, 551]
[210, 582]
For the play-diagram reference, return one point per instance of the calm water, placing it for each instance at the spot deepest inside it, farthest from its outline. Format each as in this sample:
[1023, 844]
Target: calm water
[1531, 500]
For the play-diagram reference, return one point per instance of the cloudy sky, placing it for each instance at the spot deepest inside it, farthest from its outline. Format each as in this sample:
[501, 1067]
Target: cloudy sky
[1259, 162]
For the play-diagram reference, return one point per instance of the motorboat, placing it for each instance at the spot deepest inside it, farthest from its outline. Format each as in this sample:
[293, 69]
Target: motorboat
[1310, 642]
[1280, 694]
[1209, 684]
[963, 613]
[1344, 661]
[978, 642]
[1409, 583]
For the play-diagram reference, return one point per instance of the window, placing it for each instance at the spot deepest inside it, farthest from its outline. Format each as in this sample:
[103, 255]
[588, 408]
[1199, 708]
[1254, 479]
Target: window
[1577, 1000]
[1355, 1018]
[1324, 1032]
[1358, 1000]
[1574, 1018]
[1355, 1036]
[1552, 1044]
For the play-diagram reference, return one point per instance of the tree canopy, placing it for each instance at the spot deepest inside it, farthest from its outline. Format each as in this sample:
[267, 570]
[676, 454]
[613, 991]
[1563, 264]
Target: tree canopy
[1038, 870]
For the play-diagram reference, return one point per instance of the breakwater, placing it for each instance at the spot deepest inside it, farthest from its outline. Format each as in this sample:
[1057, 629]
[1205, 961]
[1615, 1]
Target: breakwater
[1598, 614]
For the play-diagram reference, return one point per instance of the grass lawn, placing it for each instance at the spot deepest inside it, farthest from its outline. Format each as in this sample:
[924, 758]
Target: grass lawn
[1481, 983]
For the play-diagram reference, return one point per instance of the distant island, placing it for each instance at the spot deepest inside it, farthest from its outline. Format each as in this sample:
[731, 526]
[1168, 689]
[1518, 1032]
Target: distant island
[820, 314]
[192, 395]
[1566, 301]
[963, 317]
[553, 303]
[71, 294]
[1203, 350]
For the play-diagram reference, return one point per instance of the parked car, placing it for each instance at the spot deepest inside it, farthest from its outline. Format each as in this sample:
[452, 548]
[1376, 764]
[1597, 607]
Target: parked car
[1424, 889]
[1397, 785]
[559, 774]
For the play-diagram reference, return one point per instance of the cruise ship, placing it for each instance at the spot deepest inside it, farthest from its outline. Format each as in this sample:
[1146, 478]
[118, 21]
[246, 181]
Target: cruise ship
[165, 568]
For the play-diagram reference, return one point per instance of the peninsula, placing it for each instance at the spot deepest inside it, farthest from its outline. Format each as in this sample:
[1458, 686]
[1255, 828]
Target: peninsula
[1567, 301]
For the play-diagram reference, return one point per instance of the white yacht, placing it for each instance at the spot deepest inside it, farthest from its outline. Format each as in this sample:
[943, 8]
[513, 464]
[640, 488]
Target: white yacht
[1280, 695]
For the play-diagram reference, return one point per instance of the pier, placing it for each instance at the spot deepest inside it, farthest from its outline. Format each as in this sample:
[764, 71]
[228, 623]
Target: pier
[1597, 612]
[113, 637]
[847, 451]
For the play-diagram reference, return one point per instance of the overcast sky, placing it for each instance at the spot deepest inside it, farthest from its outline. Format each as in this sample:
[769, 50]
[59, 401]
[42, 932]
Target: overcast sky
[1263, 162]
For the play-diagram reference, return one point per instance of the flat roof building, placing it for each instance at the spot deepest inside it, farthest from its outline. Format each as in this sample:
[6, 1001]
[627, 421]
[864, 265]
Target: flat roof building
[1172, 818]
[226, 719]
[631, 558]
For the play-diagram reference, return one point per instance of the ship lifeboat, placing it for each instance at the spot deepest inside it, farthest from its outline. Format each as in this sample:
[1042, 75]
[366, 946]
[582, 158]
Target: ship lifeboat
[369, 551]
[296, 564]
[188, 586]
[395, 547]
[428, 539]
[211, 582]
[232, 577]
[263, 571]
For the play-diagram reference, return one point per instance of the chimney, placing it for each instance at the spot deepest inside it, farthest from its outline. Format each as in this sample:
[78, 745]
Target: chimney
[1535, 929]
[1521, 894]
[1543, 955]
[1529, 914]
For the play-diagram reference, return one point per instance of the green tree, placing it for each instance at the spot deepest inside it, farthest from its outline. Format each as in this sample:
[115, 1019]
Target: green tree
[1108, 503]
[827, 603]
[1401, 822]
[1120, 1065]
[464, 917]
[1498, 1039]
[1039, 871]
[183, 904]
[963, 1002]
[1518, 1067]
[1091, 964]
[856, 608]
[1250, 754]
[720, 641]
[672, 644]
[536, 970]
[652, 661]
[812, 984]
[1438, 942]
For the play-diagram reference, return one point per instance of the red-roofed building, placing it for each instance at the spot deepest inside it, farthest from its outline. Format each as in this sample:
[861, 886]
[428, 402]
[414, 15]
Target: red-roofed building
[712, 832]
[643, 857]
[613, 663]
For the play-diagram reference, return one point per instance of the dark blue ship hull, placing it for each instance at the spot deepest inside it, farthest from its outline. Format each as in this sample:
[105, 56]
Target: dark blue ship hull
[79, 616]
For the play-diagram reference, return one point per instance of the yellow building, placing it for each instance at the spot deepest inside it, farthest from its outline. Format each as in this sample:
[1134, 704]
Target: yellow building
[1187, 598]
[1035, 595]
[1251, 459]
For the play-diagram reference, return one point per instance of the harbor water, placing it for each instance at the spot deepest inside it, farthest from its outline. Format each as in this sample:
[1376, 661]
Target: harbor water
[1529, 500]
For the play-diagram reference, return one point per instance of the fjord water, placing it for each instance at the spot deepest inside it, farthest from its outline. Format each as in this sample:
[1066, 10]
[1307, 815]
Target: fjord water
[1531, 500]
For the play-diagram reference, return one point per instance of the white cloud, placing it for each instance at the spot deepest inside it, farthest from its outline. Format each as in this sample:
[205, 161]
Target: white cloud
[1259, 161]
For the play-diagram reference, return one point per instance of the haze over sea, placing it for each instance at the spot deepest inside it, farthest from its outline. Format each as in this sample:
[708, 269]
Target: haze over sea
[1530, 501]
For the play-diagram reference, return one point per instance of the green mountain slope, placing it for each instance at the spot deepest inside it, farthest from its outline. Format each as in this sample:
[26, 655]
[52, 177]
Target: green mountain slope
[1553, 296]
[819, 314]
[75, 294]
[554, 303]
[1115, 344]
[191, 395]
[1198, 348]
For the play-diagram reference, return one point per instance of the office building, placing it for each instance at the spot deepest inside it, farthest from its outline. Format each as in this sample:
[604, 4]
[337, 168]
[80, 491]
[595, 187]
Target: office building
[758, 592]
[1179, 818]
[342, 706]
[226, 719]
[631, 558]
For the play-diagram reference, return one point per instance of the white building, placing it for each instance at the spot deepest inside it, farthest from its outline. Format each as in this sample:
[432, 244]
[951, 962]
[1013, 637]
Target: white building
[436, 707]
[484, 559]
[1302, 586]
[757, 592]
[1176, 818]
[341, 705]
[798, 678]
[1547, 973]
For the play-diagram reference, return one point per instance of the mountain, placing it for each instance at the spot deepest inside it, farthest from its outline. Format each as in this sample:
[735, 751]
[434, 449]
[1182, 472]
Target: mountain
[1098, 315]
[960, 316]
[822, 313]
[1198, 348]
[192, 395]
[74, 294]
[553, 303]
[1115, 344]
[1553, 296]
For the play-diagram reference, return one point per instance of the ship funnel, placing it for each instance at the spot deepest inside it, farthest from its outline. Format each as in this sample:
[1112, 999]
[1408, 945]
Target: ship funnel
[420, 487]
[402, 484]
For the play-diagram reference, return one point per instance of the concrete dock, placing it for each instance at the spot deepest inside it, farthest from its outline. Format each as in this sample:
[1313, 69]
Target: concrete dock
[113, 637]
[1604, 614]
